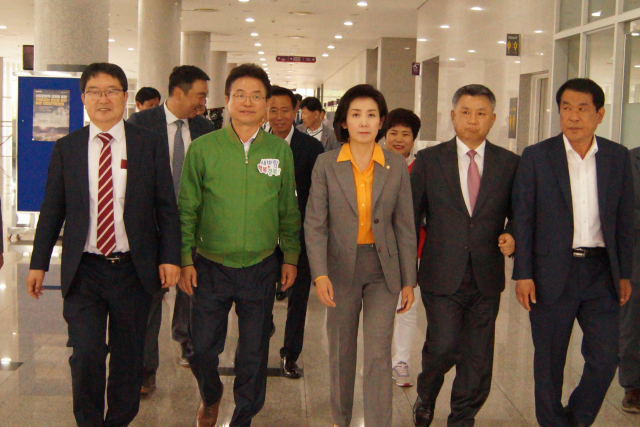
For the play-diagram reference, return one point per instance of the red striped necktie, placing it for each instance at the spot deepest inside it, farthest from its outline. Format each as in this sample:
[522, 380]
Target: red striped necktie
[106, 235]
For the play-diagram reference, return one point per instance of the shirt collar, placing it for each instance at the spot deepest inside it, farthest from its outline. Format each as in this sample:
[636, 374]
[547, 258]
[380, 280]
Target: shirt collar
[288, 138]
[592, 151]
[345, 154]
[117, 131]
[463, 149]
[252, 137]
[171, 118]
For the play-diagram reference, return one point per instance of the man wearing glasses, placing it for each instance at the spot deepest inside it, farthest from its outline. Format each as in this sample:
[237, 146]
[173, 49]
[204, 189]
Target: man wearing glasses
[237, 202]
[111, 182]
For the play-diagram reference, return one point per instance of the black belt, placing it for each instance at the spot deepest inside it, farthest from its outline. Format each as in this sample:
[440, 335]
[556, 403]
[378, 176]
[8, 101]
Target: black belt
[113, 258]
[588, 252]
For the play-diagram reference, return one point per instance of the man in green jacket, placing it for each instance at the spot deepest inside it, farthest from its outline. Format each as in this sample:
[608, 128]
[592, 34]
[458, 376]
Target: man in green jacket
[237, 202]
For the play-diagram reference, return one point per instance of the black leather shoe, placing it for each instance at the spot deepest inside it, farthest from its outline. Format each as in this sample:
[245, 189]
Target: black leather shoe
[148, 384]
[281, 296]
[273, 329]
[423, 413]
[289, 368]
[571, 418]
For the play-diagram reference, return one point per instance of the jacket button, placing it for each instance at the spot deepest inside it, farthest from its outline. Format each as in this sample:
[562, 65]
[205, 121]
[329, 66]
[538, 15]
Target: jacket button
[471, 225]
[375, 221]
[466, 248]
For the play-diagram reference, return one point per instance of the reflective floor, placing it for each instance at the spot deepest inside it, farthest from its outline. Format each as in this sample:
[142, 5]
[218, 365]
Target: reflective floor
[38, 393]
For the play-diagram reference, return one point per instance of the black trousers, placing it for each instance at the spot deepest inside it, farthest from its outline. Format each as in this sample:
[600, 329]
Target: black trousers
[252, 289]
[297, 299]
[151, 348]
[460, 333]
[104, 293]
[589, 296]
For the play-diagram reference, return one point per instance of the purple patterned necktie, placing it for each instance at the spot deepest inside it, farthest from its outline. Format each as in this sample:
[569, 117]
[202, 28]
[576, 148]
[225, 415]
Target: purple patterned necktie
[473, 180]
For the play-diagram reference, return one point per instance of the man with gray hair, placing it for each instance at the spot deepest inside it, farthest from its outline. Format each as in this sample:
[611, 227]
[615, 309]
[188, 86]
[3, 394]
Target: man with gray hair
[463, 190]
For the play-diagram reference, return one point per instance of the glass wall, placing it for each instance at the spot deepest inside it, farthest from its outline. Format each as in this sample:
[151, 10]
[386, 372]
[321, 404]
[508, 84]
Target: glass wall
[570, 14]
[599, 9]
[600, 70]
[631, 4]
[630, 136]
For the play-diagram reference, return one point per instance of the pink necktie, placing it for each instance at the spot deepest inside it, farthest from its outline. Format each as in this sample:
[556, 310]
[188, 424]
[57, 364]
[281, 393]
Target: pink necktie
[473, 180]
[106, 235]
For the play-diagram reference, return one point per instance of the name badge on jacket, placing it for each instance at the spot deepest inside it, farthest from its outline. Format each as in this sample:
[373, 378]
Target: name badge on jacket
[269, 167]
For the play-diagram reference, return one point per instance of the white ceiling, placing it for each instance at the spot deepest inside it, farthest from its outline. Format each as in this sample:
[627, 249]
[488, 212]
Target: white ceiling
[274, 23]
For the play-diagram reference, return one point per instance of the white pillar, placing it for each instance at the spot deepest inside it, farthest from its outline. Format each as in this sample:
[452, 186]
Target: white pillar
[70, 34]
[218, 77]
[196, 46]
[159, 24]
[395, 81]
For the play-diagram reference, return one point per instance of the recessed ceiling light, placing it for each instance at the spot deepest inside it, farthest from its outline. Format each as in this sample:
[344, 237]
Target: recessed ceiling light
[300, 13]
[250, 20]
[296, 37]
[5, 360]
[476, 8]
[444, 26]
[263, 59]
[331, 46]
[407, 48]
[3, 27]
[348, 23]
[289, 71]
[243, 1]
[130, 48]
[598, 13]
[472, 51]
[254, 34]
[111, 40]
[362, 3]
[325, 54]
[261, 53]
[452, 59]
[422, 40]
[635, 34]
[637, 66]
[264, 64]
[265, 68]
[338, 36]
[517, 62]
[258, 44]
[502, 42]
[537, 31]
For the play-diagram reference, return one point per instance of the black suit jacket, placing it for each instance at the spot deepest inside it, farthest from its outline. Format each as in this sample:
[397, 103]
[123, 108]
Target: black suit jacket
[543, 212]
[452, 235]
[155, 119]
[150, 211]
[635, 159]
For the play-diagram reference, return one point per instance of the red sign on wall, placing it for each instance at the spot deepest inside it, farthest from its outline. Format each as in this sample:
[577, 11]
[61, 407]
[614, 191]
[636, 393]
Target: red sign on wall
[305, 59]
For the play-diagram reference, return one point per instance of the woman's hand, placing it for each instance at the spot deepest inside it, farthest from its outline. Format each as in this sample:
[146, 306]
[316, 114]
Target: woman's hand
[407, 299]
[324, 290]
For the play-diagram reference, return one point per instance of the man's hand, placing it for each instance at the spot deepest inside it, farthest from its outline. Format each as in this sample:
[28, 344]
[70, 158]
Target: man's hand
[506, 244]
[34, 283]
[625, 291]
[525, 291]
[169, 275]
[188, 279]
[324, 290]
[407, 299]
[289, 273]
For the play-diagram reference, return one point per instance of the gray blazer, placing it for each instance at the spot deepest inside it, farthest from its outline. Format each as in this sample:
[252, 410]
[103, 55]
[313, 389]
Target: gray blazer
[635, 160]
[328, 137]
[331, 223]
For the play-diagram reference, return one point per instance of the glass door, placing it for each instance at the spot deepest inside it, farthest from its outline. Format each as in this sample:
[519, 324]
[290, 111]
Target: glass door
[630, 136]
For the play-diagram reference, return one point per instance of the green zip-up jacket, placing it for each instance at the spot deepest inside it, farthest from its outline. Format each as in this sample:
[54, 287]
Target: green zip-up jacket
[236, 208]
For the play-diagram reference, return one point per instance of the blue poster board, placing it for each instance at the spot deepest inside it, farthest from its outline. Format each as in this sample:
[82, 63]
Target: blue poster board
[35, 144]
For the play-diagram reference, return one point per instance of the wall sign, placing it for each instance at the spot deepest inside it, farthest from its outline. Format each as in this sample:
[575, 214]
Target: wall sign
[513, 44]
[415, 68]
[513, 117]
[303, 59]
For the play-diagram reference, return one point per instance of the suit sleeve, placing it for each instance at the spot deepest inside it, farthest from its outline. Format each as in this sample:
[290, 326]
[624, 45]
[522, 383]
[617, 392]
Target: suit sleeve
[52, 213]
[190, 200]
[316, 222]
[289, 212]
[419, 193]
[524, 208]
[624, 222]
[133, 119]
[166, 206]
[403, 225]
[508, 228]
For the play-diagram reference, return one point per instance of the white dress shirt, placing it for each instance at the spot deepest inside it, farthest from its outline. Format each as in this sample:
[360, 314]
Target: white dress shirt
[317, 134]
[587, 230]
[463, 166]
[172, 128]
[119, 178]
[247, 144]
[288, 138]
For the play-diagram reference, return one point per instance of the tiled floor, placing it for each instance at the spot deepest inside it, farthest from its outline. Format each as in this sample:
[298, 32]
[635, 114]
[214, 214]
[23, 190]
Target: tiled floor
[39, 392]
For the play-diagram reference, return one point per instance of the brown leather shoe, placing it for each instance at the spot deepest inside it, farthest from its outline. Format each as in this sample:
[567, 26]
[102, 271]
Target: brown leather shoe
[208, 415]
[148, 384]
[631, 402]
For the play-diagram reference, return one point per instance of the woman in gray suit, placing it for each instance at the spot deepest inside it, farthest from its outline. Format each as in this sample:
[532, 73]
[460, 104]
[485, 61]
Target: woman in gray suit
[361, 243]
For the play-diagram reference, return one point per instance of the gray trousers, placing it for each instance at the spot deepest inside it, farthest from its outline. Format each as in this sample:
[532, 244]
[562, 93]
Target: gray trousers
[367, 292]
[629, 370]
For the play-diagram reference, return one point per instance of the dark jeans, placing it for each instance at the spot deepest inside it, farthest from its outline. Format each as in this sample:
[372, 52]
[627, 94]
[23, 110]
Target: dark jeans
[460, 333]
[629, 372]
[101, 291]
[151, 349]
[297, 299]
[252, 289]
[589, 295]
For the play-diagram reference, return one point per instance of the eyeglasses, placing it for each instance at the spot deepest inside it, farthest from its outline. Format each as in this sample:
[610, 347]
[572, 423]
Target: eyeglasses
[253, 98]
[97, 94]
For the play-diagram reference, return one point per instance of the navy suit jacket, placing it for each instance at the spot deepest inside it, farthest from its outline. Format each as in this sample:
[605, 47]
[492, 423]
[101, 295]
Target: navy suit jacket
[155, 119]
[151, 217]
[635, 160]
[543, 213]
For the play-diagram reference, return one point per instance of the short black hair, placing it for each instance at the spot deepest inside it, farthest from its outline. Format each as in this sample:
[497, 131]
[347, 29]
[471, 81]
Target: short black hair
[311, 103]
[298, 97]
[283, 91]
[146, 94]
[247, 70]
[358, 91]
[184, 76]
[584, 86]
[403, 117]
[474, 90]
[96, 68]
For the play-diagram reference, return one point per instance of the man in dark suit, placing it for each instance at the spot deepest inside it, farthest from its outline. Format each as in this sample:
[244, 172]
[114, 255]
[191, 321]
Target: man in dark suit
[306, 149]
[573, 208]
[110, 182]
[629, 372]
[463, 189]
[312, 124]
[178, 123]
